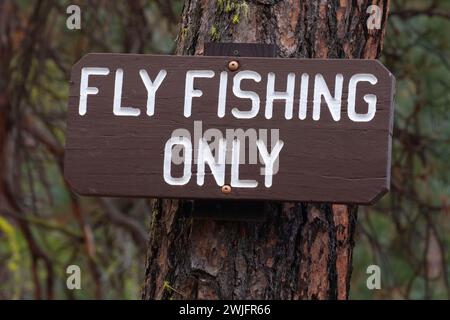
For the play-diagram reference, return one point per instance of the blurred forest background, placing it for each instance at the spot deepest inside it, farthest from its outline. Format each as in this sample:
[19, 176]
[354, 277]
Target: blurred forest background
[44, 227]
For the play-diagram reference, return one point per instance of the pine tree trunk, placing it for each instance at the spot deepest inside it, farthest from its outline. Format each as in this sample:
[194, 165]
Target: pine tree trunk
[299, 250]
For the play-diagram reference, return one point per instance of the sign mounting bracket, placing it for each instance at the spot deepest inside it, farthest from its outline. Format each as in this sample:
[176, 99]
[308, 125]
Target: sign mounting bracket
[233, 210]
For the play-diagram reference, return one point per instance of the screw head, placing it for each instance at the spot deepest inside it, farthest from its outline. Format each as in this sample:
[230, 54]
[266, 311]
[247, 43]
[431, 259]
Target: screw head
[226, 189]
[233, 65]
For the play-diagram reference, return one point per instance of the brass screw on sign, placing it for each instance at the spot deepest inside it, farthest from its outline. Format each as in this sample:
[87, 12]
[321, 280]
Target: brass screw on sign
[233, 65]
[226, 189]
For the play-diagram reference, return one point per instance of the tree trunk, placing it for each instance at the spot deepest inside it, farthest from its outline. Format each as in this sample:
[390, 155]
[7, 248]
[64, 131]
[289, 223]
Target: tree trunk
[299, 250]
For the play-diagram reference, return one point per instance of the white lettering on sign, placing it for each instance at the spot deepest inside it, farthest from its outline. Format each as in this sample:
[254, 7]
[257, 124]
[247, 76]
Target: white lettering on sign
[235, 181]
[187, 173]
[222, 94]
[201, 152]
[371, 99]
[151, 92]
[269, 159]
[303, 96]
[151, 87]
[190, 92]
[239, 93]
[117, 106]
[85, 90]
[321, 90]
[333, 103]
[205, 156]
[273, 95]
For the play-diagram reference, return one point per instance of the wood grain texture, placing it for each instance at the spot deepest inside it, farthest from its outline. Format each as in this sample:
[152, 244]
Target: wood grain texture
[324, 160]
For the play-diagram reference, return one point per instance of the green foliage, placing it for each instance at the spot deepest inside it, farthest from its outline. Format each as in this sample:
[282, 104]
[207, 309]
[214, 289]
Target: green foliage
[214, 34]
[408, 231]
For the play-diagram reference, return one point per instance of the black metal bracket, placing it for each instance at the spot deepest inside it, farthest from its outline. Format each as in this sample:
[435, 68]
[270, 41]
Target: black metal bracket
[233, 210]
[240, 49]
[229, 210]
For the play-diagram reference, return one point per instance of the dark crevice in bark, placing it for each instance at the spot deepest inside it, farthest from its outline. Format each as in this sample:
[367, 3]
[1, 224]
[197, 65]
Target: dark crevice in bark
[334, 45]
[332, 272]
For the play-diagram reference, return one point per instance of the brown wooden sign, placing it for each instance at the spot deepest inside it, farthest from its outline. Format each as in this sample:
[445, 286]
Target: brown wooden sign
[230, 128]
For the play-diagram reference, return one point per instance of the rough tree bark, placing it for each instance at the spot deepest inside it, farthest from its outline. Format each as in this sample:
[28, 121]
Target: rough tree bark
[299, 251]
